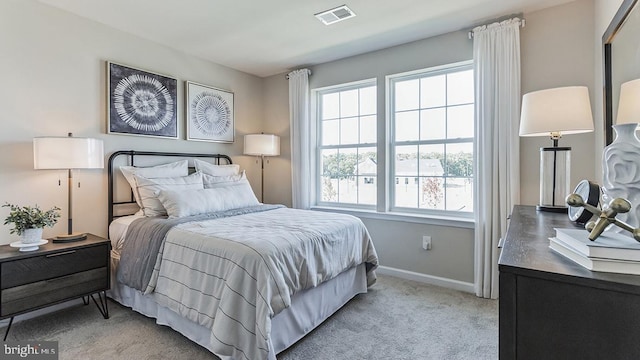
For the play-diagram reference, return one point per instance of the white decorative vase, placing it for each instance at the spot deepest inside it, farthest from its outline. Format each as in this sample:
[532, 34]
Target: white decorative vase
[31, 236]
[621, 166]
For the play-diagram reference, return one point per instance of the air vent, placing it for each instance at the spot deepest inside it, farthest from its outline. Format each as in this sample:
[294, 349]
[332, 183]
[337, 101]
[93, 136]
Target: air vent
[335, 15]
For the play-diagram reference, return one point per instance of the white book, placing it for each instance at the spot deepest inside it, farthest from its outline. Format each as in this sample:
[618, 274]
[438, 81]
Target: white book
[595, 264]
[609, 245]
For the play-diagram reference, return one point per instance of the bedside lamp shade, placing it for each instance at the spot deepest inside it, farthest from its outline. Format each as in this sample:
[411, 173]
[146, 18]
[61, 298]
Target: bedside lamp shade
[68, 153]
[555, 112]
[262, 144]
[629, 105]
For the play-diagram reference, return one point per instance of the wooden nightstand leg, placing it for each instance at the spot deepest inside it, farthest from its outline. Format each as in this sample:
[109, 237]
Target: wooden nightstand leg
[8, 327]
[102, 307]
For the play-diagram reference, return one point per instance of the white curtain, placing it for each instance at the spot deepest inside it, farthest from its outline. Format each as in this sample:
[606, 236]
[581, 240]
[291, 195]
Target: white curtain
[300, 138]
[496, 54]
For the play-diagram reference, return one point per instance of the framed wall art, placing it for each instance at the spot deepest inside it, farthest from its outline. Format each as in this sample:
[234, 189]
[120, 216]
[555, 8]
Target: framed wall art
[209, 113]
[141, 102]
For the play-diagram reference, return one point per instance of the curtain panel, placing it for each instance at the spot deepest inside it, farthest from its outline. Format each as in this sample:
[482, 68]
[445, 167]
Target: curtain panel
[300, 138]
[496, 54]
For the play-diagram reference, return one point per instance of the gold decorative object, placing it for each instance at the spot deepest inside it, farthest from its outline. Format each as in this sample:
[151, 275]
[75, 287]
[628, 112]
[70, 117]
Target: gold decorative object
[605, 217]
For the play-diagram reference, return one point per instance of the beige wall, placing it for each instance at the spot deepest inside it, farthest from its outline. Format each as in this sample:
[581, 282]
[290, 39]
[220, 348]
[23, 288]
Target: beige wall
[557, 50]
[399, 243]
[53, 82]
[277, 182]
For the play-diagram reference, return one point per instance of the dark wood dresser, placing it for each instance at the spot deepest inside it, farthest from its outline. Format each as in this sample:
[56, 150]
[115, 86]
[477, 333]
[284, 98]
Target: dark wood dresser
[553, 308]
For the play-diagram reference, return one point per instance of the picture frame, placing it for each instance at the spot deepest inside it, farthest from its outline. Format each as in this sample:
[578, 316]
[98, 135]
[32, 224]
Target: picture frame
[209, 113]
[141, 103]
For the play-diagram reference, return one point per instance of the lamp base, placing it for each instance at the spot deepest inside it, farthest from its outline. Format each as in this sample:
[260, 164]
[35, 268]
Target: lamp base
[69, 237]
[555, 209]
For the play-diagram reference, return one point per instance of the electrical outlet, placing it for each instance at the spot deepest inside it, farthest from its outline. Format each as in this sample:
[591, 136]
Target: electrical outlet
[426, 242]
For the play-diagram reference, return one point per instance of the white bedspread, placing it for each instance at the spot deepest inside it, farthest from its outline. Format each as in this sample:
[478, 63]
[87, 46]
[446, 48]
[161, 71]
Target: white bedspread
[234, 274]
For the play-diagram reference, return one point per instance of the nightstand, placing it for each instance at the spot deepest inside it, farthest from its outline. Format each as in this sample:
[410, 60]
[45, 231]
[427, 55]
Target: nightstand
[54, 273]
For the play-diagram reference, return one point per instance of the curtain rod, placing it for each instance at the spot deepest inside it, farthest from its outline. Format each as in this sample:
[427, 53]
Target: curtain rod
[522, 24]
[287, 76]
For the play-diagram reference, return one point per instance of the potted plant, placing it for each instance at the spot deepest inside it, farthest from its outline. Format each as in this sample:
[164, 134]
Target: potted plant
[28, 221]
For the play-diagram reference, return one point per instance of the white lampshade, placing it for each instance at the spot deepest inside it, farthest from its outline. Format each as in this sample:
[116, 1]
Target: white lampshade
[67, 153]
[262, 144]
[629, 105]
[565, 110]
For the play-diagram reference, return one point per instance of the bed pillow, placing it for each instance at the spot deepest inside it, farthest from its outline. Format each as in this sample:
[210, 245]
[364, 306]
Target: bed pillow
[149, 189]
[216, 170]
[211, 181]
[178, 168]
[194, 202]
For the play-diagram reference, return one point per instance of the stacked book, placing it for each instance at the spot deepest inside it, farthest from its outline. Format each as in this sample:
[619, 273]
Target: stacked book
[610, 252]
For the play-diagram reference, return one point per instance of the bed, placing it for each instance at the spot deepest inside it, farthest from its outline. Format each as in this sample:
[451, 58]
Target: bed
[195, 250]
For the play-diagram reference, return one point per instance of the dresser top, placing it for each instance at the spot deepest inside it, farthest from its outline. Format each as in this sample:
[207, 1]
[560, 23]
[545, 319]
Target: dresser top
[526, 251]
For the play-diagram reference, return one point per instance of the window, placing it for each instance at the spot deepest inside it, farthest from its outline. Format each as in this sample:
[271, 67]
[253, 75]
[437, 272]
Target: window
[432, 135]
[347, 136]
[428, 150]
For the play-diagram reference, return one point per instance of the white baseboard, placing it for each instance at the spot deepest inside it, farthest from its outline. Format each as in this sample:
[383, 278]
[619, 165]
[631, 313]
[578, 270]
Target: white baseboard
[427, 279]
[46, 310]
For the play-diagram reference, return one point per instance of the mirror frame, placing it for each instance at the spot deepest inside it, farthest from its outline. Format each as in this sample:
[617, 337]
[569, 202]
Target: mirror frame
[607, 38]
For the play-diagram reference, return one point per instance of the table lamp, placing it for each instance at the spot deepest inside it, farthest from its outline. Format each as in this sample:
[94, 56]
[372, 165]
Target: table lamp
[262, 145]
[629, 105]
[68, 153]
[555, 112]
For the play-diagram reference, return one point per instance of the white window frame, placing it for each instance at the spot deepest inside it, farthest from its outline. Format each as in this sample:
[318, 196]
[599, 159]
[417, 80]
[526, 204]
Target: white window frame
[391, 143]
[385, 182]
[316, 95]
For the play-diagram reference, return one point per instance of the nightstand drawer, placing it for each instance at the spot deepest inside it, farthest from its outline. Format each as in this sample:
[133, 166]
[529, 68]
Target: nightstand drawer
[37, 294]
[39, 268]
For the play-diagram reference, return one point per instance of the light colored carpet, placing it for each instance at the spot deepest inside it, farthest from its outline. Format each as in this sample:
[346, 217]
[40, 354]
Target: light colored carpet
[397, 319]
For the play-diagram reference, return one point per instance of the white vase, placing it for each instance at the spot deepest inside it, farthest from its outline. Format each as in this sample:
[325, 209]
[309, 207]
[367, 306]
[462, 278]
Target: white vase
[31, 236]
[621, 166]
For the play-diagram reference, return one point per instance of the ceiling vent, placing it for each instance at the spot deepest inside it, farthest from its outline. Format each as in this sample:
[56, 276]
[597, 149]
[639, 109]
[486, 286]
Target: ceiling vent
[335, 15]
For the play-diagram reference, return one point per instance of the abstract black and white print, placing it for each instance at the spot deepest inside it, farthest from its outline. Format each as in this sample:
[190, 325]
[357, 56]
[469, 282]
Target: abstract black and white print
[209, 113]
[141, 103]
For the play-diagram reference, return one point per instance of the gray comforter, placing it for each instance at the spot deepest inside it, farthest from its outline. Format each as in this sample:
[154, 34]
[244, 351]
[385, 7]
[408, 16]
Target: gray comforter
[233, 273]
[145, 236]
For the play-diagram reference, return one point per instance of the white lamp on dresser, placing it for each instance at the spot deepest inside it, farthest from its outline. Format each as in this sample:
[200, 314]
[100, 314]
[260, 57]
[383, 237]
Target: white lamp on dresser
[555, 112]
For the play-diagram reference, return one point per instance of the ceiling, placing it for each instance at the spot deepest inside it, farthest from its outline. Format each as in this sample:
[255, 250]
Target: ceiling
[267, 37]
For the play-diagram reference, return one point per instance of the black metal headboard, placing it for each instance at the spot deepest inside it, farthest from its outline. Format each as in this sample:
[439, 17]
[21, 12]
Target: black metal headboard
[132, 155]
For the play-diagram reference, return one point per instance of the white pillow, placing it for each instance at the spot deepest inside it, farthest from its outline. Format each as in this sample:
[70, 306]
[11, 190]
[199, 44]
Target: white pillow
[178, 168]
[216, 170]
[149, 189]
[218, 181]
[194, 202]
